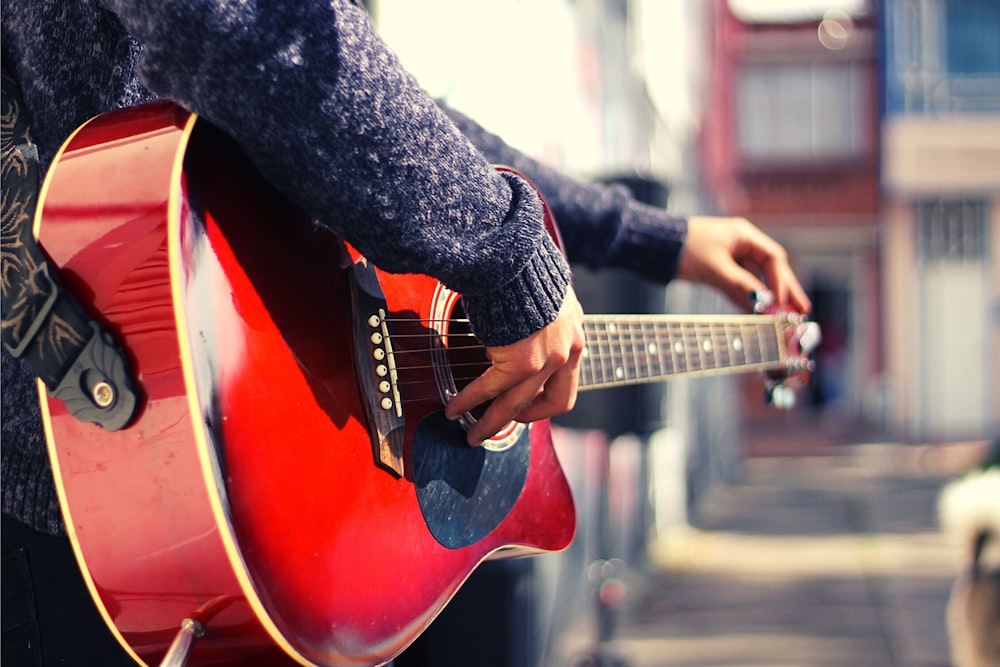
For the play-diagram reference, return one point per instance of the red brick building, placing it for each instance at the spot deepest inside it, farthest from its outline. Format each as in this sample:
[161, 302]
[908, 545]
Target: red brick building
[790, 139]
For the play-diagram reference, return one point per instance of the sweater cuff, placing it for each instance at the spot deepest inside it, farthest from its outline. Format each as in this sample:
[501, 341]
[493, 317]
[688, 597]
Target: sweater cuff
[524, 305]
[649, 242]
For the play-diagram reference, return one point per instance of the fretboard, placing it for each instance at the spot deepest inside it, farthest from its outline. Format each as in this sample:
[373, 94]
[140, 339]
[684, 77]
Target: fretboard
[629, 349]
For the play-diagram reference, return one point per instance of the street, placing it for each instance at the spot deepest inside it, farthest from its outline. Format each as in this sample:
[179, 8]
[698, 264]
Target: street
[805, 561]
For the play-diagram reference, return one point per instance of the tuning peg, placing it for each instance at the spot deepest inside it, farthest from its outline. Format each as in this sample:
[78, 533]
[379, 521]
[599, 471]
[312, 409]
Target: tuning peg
[780, 396]
[809, 336]
[761, 301]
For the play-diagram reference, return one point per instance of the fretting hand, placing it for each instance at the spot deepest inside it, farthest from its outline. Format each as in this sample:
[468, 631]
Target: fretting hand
[732, 254]
[537, 377]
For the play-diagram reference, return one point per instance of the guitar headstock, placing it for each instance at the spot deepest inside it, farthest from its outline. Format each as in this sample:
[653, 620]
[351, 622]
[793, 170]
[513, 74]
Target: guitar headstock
[799, 338]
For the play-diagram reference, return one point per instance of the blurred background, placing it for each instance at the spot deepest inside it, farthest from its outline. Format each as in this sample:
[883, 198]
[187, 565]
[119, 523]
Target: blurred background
[863, 134]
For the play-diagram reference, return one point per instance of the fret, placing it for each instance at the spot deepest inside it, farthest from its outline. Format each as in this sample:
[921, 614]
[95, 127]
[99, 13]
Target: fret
[694, 352]
[743, 345]
[652, 350]
[706, 347]
[734, 334]
[615, 352]
[626, 359]
[675, 345]
[706, 344]
[639, 354]
[702, 347]
[586, 357]
[640, 370]
[664, 365]
[607, 362]
[642, 365]
[599, 348]
[667, 349]
[751, 344]
[771, 344]
[689, 348]
[691, 351]
[678, 348]
[720, 335]
[762, 352]
[734, 345]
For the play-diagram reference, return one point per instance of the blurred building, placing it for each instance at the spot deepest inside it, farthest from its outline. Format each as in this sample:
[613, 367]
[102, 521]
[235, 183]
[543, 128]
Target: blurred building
[941, 217]
[863, 134]
[866, 137]
[789, 139]
[570, 82]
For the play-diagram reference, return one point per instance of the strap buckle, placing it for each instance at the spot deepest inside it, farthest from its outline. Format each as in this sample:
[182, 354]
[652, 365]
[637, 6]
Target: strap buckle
[97, 387]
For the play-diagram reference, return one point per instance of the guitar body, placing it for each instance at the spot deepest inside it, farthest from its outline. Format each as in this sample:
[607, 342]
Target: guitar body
[247, 493]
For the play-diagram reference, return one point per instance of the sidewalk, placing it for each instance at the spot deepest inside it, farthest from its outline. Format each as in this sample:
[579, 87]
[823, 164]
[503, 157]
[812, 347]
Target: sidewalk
[806, 561]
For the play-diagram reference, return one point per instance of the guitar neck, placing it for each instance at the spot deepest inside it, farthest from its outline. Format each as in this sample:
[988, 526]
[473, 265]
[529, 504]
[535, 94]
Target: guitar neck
[628, 349]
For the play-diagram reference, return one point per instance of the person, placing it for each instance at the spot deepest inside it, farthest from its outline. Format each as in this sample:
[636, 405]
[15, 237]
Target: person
[327, 113]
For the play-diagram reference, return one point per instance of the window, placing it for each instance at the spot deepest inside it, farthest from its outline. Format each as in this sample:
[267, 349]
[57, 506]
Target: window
[951, 230]
[971, 44]
[942, 55]
[802, 112]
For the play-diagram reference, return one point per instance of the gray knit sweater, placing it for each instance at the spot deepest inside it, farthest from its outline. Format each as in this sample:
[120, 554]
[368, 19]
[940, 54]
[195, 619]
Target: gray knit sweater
[326, 112]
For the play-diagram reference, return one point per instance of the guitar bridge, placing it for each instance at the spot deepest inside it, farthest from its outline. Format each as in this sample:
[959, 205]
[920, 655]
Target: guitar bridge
[376, 366]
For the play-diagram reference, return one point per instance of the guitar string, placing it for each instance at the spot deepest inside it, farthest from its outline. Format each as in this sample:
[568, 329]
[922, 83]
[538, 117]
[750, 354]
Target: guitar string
[628, 327]
[654, 367]
[693, 369]
[686, 360]
[677, 333]
[434, 396]
[690, 354]
[723, 354]
[683, 336]
[632, 372]
[724, 321]
[690, 360]
[640, 358]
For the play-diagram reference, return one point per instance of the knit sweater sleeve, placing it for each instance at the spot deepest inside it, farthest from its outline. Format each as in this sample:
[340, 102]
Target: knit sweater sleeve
[326, 111]
[601, 225]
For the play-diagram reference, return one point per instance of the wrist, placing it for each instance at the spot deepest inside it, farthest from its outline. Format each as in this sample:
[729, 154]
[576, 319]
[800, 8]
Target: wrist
[524, 305]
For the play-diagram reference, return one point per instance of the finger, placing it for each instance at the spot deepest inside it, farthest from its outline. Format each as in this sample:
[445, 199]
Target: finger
[787, 290]
[737, 283]
[484, 388]
[772, 259]
[505, 408]
[795, 295]
[557, 396]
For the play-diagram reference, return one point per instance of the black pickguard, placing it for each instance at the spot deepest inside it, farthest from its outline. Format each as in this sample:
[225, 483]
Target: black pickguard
[464, 492]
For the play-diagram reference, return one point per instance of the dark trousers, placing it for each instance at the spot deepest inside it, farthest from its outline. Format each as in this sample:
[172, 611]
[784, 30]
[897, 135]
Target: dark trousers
[48, 617]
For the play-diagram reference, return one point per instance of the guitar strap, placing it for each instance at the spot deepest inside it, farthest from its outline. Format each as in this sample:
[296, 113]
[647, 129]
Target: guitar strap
[42, 323]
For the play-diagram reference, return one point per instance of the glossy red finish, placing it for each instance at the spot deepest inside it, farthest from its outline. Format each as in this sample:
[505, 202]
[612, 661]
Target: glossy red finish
[331, 550]
[136, 498]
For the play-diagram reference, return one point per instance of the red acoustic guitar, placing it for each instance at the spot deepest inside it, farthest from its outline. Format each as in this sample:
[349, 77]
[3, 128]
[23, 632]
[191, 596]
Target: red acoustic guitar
[289, 491]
